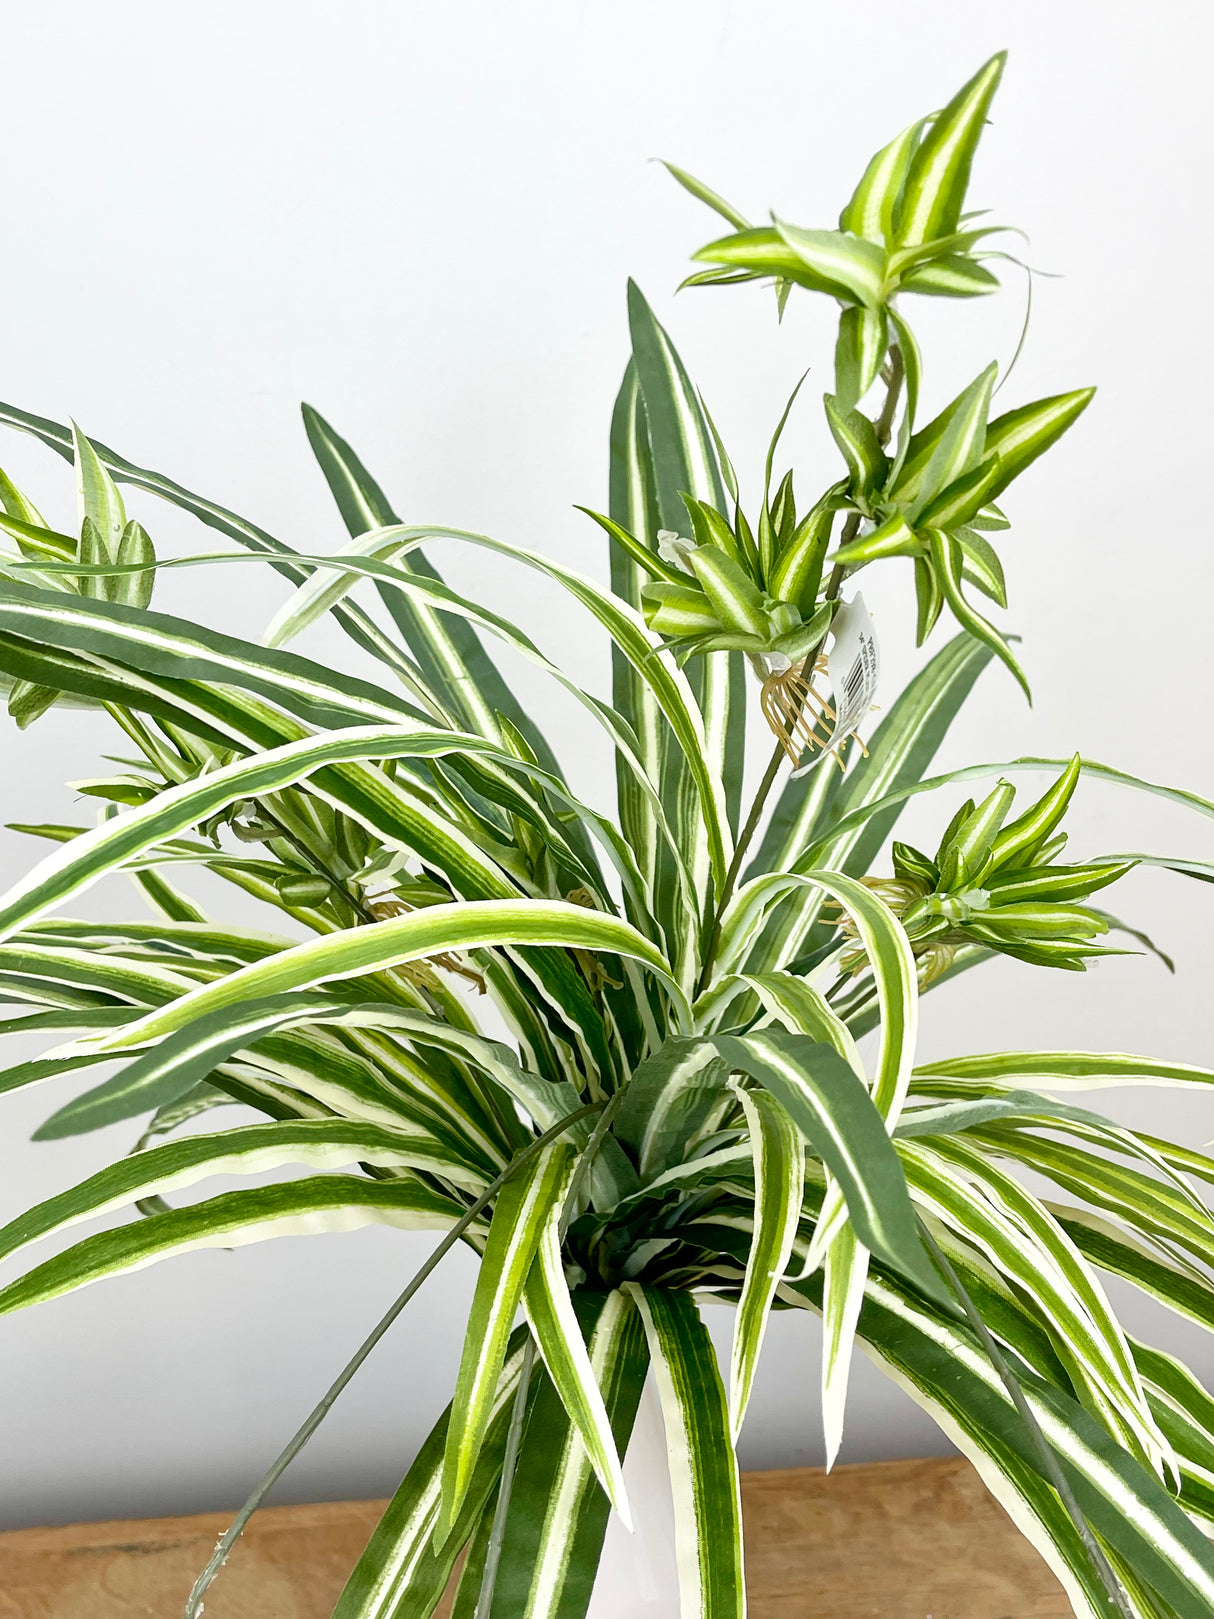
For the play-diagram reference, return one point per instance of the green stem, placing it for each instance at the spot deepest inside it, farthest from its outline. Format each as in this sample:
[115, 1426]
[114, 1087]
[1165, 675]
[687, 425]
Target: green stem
[278, 1467]
[1051, 1468]
[501, 1510]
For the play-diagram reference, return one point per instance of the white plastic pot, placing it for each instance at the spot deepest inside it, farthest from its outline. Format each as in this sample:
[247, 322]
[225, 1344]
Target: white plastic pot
[638, 1575]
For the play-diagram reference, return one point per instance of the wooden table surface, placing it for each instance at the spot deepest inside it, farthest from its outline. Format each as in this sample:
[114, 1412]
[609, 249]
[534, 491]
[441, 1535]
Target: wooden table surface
[888, 1540]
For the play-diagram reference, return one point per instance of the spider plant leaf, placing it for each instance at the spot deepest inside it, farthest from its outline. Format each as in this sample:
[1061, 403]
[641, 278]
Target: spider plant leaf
[981, 566]
[682, 458]
[407, 1564]
[672, 1097]
[946, 557]
[779, 1169]
[938, 1362]
[859, 353]
[857, 440]
[465, 925]
[706, 195]
[763, 251]
[912, 371]
[558, 1512]
[960, 502]
[933, 195]
[522, 1207]
[703, 1466]
[558, 1334]
[960, 445]
[320, 1144]
[449, 652]
[135, 549]
[1021, 435]
[644, 556]
[797, 573]
[872, 209]
[845, 1271]
[97, 502]
[836, 1115]
[1068, 1070]
[633, 503]
[288, 1208]
[993, 1213]
[737, 602]
[952, 275]
[848, 262]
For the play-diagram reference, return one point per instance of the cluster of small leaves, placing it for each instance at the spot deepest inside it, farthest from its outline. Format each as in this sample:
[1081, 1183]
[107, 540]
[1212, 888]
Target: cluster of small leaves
[997, 884]
[105, 536]
[734, 587]
[931, 496]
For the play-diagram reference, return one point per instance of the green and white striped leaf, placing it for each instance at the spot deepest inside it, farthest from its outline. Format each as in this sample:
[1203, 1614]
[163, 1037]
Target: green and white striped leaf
[779, 1167]
[520, 1212]
[407, 1563]
[836, 1115]
[1019, 436]
[248, 1150]
[673, 1098]
[845, 1271]
[559, 1337]
[558, 1512]
[1067, 1070]
[939, 173]
[872, 209]
[703, 1467]
[851, 263]
[464, 926]
[289, 1209]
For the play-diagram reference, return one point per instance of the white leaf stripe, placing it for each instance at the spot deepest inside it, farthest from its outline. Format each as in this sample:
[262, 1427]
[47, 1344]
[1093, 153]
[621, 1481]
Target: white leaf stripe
[287, 1209]
[519, 1213]
[779, 1169]
[703, 1467]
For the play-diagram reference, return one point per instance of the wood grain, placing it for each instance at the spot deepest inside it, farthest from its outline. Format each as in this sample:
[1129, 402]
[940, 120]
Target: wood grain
[890, 1540]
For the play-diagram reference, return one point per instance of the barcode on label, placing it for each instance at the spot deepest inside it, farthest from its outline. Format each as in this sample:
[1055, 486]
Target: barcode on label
[854, 667]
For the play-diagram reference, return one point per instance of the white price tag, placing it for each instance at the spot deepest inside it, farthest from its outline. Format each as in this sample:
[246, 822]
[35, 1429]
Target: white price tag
[854, 668]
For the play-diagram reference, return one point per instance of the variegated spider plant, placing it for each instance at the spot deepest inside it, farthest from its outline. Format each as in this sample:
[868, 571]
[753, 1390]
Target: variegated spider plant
[671, 1103]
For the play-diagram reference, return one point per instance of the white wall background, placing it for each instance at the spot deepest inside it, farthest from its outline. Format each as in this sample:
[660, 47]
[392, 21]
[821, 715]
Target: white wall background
[420, 218]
